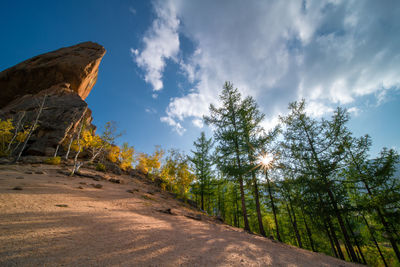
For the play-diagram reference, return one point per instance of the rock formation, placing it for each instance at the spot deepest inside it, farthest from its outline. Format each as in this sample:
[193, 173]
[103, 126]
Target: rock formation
[77, 65]
[66, 77]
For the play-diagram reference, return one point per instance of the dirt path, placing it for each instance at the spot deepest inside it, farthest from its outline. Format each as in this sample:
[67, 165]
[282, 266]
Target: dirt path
[53, 222]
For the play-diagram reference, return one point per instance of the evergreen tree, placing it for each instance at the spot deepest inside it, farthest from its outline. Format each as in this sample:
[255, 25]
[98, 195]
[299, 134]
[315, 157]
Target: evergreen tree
[254, 137]
[226, 120]
[320, 149]
[202, 162]
[381, 189]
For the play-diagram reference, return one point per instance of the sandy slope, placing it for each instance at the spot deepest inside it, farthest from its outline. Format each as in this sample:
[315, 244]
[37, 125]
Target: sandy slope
[111, 227]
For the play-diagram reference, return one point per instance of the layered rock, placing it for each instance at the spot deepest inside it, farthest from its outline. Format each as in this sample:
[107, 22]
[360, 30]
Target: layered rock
[77, 65]
[66, 77]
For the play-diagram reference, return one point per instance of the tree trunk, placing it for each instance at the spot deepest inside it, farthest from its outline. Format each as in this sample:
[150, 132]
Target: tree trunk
[244, 210]
[62, 140]
[69, 147]
[347, 250]
[330, 240]
[298, 236]
[335, 239]
[16, 130]
[202, 196]
[292, 217]
[219, 200]
[353, 256]
[195, 199]
[77, 164]
[258, 209]
[291, 222]
[356, 241]
[236, 211]
[273, 207]
[375, 242]
[240, 177]
[332, 230]
[308, 230]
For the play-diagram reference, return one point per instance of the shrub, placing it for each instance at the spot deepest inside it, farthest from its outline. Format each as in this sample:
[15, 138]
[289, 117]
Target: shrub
[100, 167]
[53, 161]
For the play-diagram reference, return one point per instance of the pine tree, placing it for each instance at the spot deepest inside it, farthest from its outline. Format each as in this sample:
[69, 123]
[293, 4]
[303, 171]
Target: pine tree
[382, 189]
[254, 137]
[226, 121]
[202, 162]
[320, 148]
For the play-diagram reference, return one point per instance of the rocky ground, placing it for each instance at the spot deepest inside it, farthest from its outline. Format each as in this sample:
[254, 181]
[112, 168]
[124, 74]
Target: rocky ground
[50, 219]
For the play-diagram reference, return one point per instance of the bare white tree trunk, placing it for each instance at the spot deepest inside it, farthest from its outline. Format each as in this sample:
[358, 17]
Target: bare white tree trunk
[77, 164]
[62, 140]
[31, 129]
[69, 146]
[16, 131]
[96, 154]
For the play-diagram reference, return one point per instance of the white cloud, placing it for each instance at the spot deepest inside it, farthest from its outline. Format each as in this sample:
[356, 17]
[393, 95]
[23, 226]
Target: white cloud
[354, 110]
[198, 123]
[161, 42]
[329, 52]
[318, 109]
[150, 110]
[176, 126]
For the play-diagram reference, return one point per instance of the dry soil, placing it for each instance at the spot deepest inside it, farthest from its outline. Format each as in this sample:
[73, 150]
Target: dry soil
[57, 220]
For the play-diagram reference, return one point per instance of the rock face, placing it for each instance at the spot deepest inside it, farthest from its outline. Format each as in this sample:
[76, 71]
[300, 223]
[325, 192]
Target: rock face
[63, 109]
[65, 77]
[77, 65]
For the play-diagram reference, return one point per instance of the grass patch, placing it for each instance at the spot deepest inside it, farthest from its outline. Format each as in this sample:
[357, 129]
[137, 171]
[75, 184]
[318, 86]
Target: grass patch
[100, 167]
[53, 161]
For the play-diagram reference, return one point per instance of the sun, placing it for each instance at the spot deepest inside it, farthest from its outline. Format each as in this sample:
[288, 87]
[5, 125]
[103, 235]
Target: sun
[265, 160]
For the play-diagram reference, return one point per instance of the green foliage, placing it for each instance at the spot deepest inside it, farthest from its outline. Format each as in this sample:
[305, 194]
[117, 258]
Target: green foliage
[231, 148]
[53, 161]
[202, 163]
[329, 195]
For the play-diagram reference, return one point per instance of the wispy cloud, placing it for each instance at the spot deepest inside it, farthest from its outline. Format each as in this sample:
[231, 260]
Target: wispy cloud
[176, 126]
[198, 122]
[151, 110]
[329, 52]
[161, 42]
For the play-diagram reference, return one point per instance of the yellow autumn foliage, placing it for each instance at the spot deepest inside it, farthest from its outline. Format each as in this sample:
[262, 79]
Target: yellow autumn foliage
[22, 135]
[6, 127]
[113, 154]
[177, 174]
[85, 139]
[126, 156]
[8, 136]
[123, 155]
[150, 163]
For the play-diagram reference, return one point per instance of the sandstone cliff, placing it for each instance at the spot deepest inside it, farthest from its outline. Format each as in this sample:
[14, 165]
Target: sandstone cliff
[77, 65]
[66, 76]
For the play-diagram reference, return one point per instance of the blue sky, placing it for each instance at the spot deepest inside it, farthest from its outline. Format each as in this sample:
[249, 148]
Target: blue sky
[167, 60]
